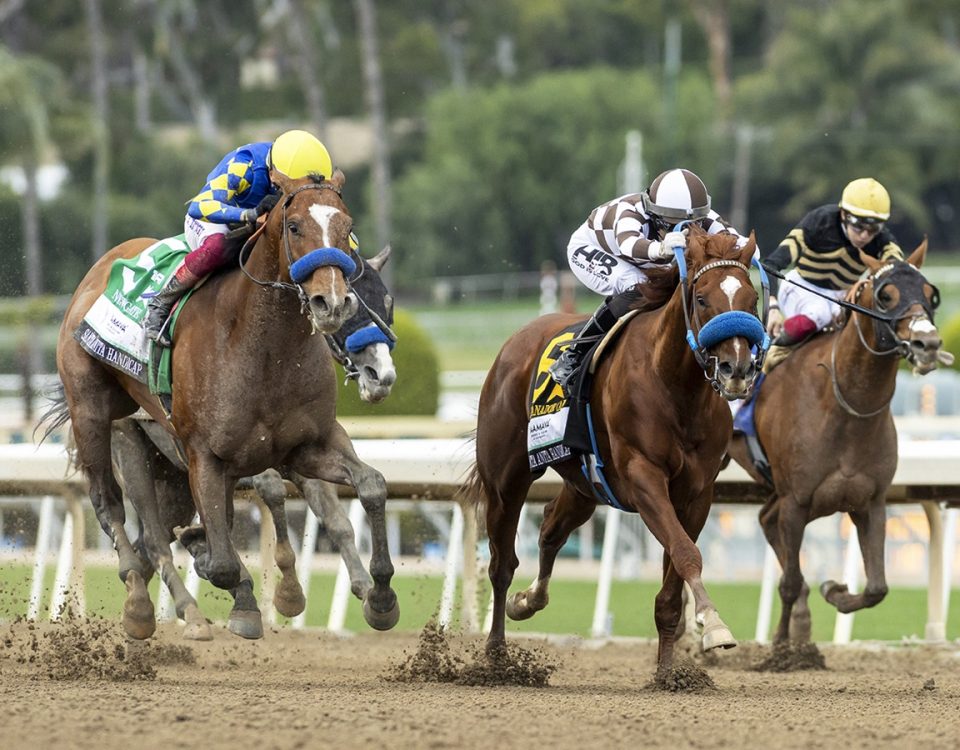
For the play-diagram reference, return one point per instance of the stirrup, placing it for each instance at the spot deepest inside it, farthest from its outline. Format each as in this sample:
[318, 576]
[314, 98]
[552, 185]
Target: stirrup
[563, 368]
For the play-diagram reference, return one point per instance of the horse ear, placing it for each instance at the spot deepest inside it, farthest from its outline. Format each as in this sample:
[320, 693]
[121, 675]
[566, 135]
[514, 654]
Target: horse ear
[919, 255]
[338, 178]
[379, 260]
[281, 181]
[874, 264]
[748, 250]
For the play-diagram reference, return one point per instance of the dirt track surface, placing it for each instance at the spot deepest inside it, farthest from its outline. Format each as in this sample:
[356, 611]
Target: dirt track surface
[78, 687]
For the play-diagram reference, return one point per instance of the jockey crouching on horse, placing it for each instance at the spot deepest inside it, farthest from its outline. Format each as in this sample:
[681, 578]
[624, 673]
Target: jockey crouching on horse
[239, 190]
[825, 246]
[622, 237]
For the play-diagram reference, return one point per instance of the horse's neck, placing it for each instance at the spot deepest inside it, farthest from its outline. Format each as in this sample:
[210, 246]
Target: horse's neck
[863, 376]
[269, 317]
[672, 358]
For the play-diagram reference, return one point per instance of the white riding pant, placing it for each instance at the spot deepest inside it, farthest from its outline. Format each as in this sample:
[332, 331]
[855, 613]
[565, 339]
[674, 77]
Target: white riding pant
[196, 231]
[796, 300]
[602, 272]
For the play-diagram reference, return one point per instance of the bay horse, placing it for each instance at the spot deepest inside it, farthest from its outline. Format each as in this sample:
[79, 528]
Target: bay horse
[823, 419]
[154, 479]
[252, 387]
[659, 424]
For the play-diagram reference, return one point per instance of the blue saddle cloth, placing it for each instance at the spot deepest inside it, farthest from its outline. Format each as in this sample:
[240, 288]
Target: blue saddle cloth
[743, 421]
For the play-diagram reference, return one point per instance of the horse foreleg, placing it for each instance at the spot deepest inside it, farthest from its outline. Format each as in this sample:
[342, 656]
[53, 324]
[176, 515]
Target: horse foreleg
[336, 461]
[245, 619]
[871, 534]
[784, 530]
[288, 597]
[568, 511]
[323, 501]
[798, 628]
[212, 489]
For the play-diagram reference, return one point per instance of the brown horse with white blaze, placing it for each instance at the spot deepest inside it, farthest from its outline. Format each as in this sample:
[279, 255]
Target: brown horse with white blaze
[252, 387]
[823, 419]
[659, 424]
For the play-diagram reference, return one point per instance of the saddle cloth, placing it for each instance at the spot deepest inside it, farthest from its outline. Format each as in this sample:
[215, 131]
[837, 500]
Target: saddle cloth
[745, 422]
[112, 330]
[557, 426]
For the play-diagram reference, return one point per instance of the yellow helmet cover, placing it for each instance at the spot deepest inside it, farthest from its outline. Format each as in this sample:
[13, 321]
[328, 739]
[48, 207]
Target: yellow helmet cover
[865, 197]
[297, 153]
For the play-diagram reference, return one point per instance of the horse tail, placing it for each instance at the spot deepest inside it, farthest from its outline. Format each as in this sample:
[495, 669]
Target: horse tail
[473, 489]
[56, 415]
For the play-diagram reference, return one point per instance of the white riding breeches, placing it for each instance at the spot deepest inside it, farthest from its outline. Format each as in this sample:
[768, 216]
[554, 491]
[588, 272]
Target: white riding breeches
[602, 272]
[196, 231]
[796, 300]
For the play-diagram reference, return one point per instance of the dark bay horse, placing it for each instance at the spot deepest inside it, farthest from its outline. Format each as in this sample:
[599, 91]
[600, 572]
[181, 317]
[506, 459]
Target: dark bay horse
[823, 419]
[252, 387]
[154, 480]
[660, 427]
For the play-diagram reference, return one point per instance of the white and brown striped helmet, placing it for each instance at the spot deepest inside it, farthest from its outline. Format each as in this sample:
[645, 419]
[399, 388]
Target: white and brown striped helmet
[675, 195]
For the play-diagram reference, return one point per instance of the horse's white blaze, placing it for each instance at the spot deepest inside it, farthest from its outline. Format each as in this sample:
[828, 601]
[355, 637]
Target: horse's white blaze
[730, 286]
[322, 215]
[922, 325]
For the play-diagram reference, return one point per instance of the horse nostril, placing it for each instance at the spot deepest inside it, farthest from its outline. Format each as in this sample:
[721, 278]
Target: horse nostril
[319, 302]
[371, 374]
[726, 370]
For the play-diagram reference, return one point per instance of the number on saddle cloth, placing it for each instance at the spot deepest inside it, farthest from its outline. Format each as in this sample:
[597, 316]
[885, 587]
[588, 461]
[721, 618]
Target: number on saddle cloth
[112, 330]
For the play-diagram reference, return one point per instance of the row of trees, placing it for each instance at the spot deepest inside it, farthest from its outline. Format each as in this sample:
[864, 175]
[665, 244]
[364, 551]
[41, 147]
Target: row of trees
[498, 125]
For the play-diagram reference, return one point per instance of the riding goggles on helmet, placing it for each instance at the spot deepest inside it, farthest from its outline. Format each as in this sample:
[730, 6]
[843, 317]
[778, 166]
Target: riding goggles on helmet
[864, 223]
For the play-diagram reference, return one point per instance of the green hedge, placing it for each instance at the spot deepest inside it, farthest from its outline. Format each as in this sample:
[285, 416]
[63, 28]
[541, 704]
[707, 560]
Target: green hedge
[417, 390]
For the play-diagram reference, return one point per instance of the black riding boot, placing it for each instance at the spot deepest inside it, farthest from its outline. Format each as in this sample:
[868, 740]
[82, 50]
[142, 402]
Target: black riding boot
[610, 311]
[158, 310]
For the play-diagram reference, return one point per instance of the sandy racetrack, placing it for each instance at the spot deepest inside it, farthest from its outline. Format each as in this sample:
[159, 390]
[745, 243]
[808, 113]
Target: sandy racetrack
[311, 689]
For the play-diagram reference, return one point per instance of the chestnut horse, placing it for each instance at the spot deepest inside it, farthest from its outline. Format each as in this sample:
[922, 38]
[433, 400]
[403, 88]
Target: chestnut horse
[154, 480]
[659, 424]
[823, 419]
[252, 388]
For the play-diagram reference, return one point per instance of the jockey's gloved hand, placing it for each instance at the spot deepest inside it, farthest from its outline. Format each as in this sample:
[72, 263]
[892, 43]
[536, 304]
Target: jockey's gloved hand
[673, 240]
[774, 319]
[660, 252]
[267, 204]
[249, 215]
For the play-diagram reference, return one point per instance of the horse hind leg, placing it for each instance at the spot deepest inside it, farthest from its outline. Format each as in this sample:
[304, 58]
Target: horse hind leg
[565, 513]
[288, 599]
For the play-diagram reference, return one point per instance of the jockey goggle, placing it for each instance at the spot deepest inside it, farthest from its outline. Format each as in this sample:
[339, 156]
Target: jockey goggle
[867, 224]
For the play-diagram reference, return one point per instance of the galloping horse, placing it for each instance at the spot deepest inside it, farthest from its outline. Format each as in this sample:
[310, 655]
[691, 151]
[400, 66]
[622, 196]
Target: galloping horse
[823, 419]
[659, 426]
[154, 480]
[252, 388]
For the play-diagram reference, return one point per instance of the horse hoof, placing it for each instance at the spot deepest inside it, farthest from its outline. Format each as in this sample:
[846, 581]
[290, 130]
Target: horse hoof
[246, 623]
[715, 633]
[519, 607]
[829, 589]
[197, 628]
[718, 638]
[289, 604]
[139, 620]
[360, 589]
[381, 620]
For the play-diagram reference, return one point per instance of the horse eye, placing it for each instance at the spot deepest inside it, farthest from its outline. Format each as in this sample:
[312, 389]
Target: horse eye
[293, 227]
[701, 301]
[883, 297]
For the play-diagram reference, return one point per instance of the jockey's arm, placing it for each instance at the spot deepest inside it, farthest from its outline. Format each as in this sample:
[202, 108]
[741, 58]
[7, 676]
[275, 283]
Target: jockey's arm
[633, 243]
[216, 203]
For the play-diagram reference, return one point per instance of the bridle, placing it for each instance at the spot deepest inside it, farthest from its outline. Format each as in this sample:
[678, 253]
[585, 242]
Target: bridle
[301, 268]
[885, 325]
[723, 326]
